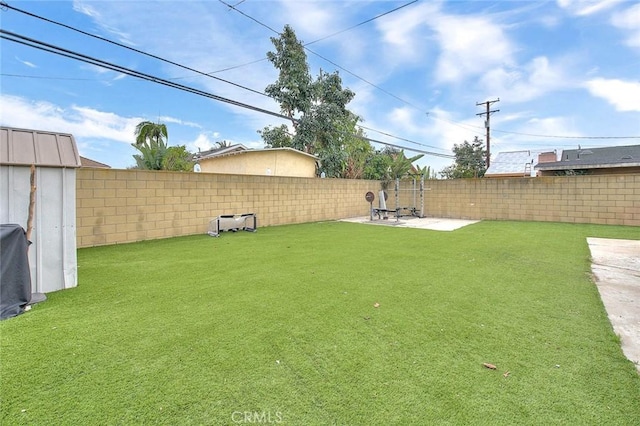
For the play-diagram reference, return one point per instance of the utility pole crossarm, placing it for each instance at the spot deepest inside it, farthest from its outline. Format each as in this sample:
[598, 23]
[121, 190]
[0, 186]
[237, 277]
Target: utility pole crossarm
[488, 113]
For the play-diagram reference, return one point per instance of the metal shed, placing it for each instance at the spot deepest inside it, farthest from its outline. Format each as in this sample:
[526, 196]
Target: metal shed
[52, 255]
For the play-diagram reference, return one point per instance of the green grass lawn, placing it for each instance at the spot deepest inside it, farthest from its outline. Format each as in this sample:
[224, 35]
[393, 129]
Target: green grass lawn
[281, 325]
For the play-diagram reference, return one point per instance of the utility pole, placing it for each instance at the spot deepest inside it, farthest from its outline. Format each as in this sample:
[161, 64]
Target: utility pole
[488, 113]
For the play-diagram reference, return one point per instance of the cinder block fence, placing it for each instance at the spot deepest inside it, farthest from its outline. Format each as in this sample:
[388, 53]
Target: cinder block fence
[120, 206]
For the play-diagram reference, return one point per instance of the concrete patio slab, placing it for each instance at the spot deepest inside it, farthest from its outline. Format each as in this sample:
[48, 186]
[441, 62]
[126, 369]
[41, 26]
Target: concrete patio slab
[616, 267]
[432, 223]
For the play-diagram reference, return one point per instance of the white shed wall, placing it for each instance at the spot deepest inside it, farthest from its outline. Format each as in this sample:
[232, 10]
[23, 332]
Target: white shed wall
[52, 256]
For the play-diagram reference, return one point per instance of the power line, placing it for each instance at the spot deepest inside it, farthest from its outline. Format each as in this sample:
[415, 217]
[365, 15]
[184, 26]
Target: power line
[69, 27]
[104, 64]
[404, 101]
[362, 23]
[6, 6]
[47, 47]
[326, 59]
[48, 78]
[434, 154]
[233, 7]
[399, 138]
[430, 114]
[566, 136]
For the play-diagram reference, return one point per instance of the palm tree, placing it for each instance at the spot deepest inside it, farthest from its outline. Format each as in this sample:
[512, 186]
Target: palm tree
[151, 143]
[223, 144]
[150, 157]
[151, 134]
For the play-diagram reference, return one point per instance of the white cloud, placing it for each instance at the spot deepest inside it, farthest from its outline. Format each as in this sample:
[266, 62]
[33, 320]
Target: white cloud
[27, 63]
[524, 127]
[438, 131]
[203, 142]
[167, 119]
[623, 95]
[586, 7]
[77, 120]
[470, 46]
[521, 84]
[561, 126]
[629, 20]
[403, 33]
[83, 7]
[311, 18]
[208, 140]
[86, 9]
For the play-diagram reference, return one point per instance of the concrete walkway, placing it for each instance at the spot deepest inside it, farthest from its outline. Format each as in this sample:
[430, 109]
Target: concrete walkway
[433, 223]
[616, 268]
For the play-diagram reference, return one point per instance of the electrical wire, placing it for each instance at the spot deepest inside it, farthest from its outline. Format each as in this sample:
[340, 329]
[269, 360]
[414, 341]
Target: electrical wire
[69, 27]
[399, 138]
[233, 7]
[17, 38]
[565, 137]
[47, 78]
[326, 59]
[429, 114]
[6, 6]
[50, 48]
[361, 23]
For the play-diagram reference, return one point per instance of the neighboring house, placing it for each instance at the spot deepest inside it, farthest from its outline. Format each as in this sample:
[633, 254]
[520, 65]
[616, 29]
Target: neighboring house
[514, 164]
[238, 159]
[87, 162]
[596, 161]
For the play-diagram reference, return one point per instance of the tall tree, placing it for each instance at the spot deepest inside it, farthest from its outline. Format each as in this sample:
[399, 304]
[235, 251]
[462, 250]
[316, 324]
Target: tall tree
[470, 161]
[293, 89]
[322, 124]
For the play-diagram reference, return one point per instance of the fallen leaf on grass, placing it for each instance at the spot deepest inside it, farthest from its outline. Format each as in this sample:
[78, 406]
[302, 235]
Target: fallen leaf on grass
[376, 305]
[490, 366]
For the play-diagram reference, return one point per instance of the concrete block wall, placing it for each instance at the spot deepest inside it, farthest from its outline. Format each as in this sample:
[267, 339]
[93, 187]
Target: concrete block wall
[598, 199]
[120, 206]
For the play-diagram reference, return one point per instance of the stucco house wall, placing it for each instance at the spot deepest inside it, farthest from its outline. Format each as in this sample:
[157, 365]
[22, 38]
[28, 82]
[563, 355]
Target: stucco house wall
[263, 162]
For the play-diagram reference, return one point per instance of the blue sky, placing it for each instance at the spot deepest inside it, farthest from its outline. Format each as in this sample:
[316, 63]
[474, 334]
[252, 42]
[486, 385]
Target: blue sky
[565, 71]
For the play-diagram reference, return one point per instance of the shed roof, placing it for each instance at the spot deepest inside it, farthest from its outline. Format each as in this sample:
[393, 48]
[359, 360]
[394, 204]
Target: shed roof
[24, 147]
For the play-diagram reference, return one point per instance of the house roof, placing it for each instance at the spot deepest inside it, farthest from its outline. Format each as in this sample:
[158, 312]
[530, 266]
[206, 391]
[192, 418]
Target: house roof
[24, 147]
[229, 151]
[88, 162]
[512, 163]
[216, 152]
[596, 158]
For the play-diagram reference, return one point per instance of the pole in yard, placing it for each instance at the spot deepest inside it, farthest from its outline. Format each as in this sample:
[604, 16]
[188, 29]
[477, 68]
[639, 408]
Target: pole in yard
[422, 196]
